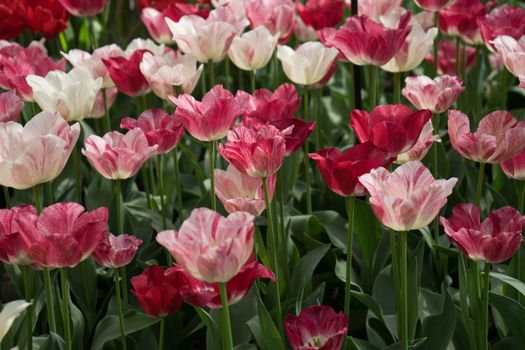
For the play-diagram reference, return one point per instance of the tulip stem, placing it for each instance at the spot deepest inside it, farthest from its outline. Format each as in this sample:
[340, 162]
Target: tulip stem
[306, 162]
[485, 306]
[211, 155]
[397, 88]
[118, 205]
[118, 296]
[479, 188]
[107, 120]
[349, 85]
[315, 103]
[273, 248]
[404, 289]
[436, 44]
[7, 197]
[78, 175]
[282, 229]
[435, 123]
[49, 301]
[161, 333]
[350, 205]
[162, 197]
[211, 66]
[225, 313]
[37, 198]
[177, 185]
[93, 37]
[519, 254]
[65, 308]
[252, 81]
[227, 71]
[29, 311]
[145, 180]
[373, 86]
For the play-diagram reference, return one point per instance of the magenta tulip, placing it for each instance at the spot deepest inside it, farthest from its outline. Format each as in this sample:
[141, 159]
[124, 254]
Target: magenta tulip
[116, 251]
[13, 249]
[436, 94]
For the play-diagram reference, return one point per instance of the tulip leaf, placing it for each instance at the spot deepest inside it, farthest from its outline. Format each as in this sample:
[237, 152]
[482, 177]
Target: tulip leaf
[439, 328]
[264, 330]
[367, 230]
[517, 284]
[334, 225]
[363, 344]
[304, 269]
[512, 313]
[210, 323]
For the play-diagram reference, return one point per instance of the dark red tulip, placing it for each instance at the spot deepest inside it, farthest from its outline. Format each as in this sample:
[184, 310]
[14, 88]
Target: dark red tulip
[126, 73]
[319, 14]
[46, 17]
[13, 19]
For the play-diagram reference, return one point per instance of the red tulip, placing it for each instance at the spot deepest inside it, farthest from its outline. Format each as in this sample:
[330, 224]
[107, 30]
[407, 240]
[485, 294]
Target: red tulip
[276, 15]
[161, 130]
[499, 136]
[126, 73]
[13, 19]
[422, 145]
[158, 292]
[515, 166]
[341, 170]
[116, 251]
[13, 249]
[46, 17]
[63, 234]
[83, 8]
[202, 294]
[10, 106]
[210, 119]
[255, 152]
[494, 240]
[319, 14]
[393, 128]
[436, 94]
[363, 41]
[461, 19]
[503, 20]
[316, 327]
[447, 57]
[158, 4]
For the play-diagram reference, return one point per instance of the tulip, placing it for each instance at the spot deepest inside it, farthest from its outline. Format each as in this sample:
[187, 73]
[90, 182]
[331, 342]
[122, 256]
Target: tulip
[14, 19]
[496, 61]
[447, 58]
[10, 107]
[100, 105]
[10, 312]
[236, 6]
[408, 198]
[268, 106]
[203, 294]
[63, 235]
[308, 64]
[210, 119]
[240, 192]
[158, 293]
[341, 170]
[139, 44]
[13, 250]
[84, 8]
[126, 73]
[254, 49]
[72, 94]
[378, 9]
[436, 94]
[255, 152]
[422, 145]
[46, 17]
[171, 73]
[513, 54]
[499, 136]
[503, 20]
[319, 14]
[461, 19]
[227, 14]
[117, 156]
[37, 152]
[276, 15]
[304, 33]
[162, 130]
[433, 5]
[116, 251]
[225, 244]
[316, 327]
[515, 166]
[494, 240]
[384, 121]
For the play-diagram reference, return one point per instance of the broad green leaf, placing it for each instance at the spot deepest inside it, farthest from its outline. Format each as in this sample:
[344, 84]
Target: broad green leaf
[367, 230]
[304, 269]
[439, 328]
[264, 330]
[517, 284]
[512, 313]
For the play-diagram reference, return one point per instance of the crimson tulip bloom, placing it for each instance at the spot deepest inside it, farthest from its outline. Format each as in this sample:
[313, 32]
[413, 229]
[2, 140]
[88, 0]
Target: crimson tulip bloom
[203, 294]
[13, 249]
[436, 94]
[499, 136]
[117, 156]
[83, 8]
[126, 73]
[515, 166]
[407, 199]
[461, 19]
[316, 327]
[494, 240]
[383, 122]
[276, 15]
[46, 17]
[319, 14]
[157, 4]
[210, 119]
[503, 20]
[224, 244]
[447, 57]
[161, 129]
[13, 19]
[363, 41]
[116, 251]
[63, 235]
[255, 152]
[158, 293]
[433, 5]
[341, 170]
[10, 107]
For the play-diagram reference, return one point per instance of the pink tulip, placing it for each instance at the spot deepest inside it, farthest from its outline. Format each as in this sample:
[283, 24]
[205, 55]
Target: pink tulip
[494, 240]
[447, 57]
[10, 107]
[422, 145]
[83, 8]
[268, 106]
[203, 294]
[436, 94]
[98, 110]
[503, 20]
[496, 62]
[276, 15]
[224, 245]
[513, 54]
[161, 129]
[37, 152]
[461, 19]
[118, 156]
[499, 136]
[139, 44]
[255, 152]
[126, 73]
[116, 251]
[378, 9]
[363, 41]
[63, 235]
[316, 327]
[408, 198]
[515, 166]
[254, 49]
[13, 249]
[433, 5]
[384, 121]
[240, 192]
[210, 119]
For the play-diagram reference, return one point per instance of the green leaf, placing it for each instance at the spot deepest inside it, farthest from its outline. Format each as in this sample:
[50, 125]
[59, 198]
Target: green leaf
[210, 323]
[367, 230]
[304, 269]
[83, 282]
[439, 328]
[517, 284]
[335, 227]
[264, 330]
[363, 344]
[512, 313]
[108, 328]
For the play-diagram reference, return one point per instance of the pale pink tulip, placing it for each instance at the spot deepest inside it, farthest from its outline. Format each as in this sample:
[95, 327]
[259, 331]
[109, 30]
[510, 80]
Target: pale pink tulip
[378, 9]
[513, 54]
[155, 22]
[276, 15]
[408, 198]
[139, 44]
[254, 49]
[10, 107]
[436, 94]
[223, 245]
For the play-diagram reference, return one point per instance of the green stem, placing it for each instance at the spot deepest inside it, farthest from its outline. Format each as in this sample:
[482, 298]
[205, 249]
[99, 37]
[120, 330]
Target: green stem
[458, 55]
[93, 37]
[118, 206]
[78, 174]
[317, 130]
[350, 205]
[178, 187]
[226, 329]
[162, 197]
[485, 307]
[435, 123]
[145, 179]
[7, 197]
[227, 71]
[397, 88]
[436, 44]
[107, 120]
[479, 188]
[273, 247]
[252, 81]
[349, 85]
[120, 310]
[282, 230]
[124, 282]
[65, 308]
[49, 301]
[161, 333]
[519, 255]
[404, 289]
[373, 87]
[306, 161]
[211, 66]
[26, 271]
[211, 156]
[37, 195]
